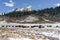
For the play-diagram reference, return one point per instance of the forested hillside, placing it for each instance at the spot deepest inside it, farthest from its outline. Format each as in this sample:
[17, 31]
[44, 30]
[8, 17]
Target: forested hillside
[51, 12]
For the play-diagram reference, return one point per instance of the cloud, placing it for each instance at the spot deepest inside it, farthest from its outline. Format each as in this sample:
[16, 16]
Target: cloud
[58, 4]
[29, 6]
[9, 4]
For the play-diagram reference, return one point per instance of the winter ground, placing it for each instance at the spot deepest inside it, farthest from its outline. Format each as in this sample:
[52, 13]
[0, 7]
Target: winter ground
[30, 33]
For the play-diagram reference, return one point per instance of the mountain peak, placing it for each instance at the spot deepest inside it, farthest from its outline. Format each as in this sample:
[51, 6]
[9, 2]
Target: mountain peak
[24, 9]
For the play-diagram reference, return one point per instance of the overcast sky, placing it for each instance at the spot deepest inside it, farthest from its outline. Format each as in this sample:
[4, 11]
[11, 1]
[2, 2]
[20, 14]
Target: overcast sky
[8, 5]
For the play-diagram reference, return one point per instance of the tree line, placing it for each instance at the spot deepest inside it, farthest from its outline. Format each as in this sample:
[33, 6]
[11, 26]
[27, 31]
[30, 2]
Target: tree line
[44, 12]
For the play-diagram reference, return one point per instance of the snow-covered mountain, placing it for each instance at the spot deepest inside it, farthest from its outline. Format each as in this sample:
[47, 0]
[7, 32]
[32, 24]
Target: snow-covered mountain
[28, 8]
[19, 9]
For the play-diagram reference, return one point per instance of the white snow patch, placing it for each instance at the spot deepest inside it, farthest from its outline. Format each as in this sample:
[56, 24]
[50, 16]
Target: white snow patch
[19, 39]
[20, 9]
[3, 21]
[51, 35]
[14, 39]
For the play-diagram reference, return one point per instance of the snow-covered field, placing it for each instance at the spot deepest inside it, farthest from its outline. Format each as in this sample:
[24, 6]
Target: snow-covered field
[48, 34]
[21, 34]
[28, 34]
[56, 23]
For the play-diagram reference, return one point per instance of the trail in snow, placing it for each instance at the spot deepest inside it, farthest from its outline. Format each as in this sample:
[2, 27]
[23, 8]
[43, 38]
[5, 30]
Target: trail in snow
[45, 19]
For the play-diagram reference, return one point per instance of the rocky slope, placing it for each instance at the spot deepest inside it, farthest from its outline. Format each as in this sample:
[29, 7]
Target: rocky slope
[30, 19]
